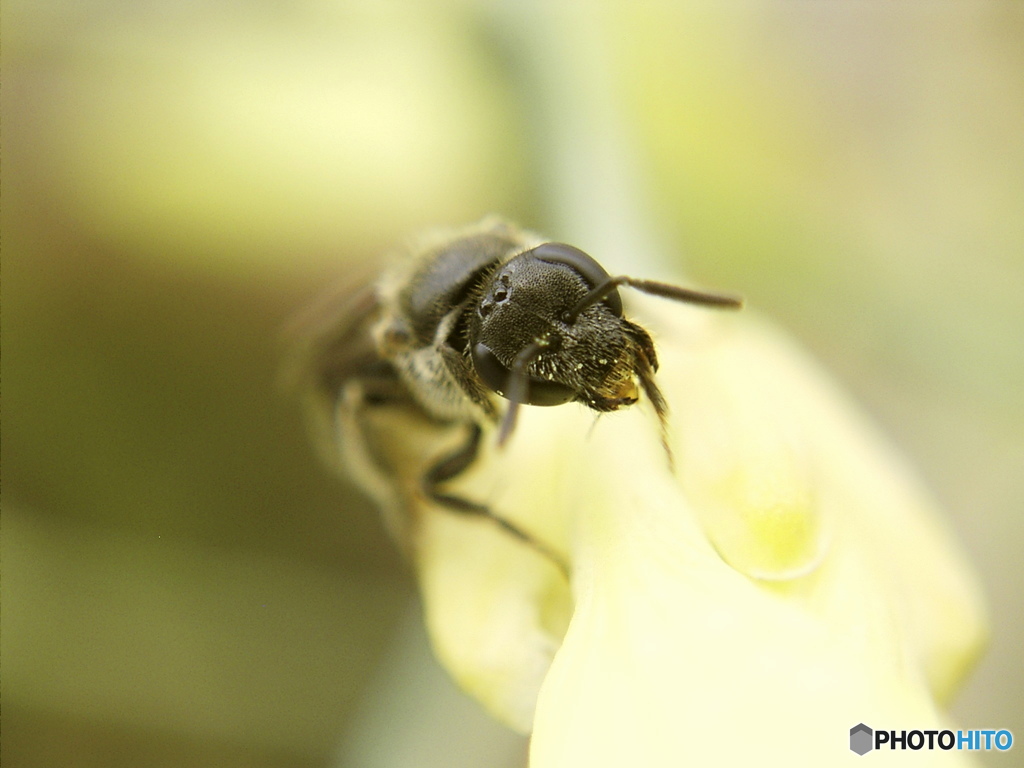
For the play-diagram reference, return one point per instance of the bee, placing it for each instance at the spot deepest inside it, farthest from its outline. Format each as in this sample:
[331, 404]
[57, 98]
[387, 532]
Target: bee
[445, 348]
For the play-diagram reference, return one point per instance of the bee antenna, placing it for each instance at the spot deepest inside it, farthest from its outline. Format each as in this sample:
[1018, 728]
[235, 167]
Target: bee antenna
[675, 292]
[518, 389]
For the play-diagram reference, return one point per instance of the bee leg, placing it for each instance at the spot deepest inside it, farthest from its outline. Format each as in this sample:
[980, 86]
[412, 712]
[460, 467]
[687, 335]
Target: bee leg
[455, 464]
[382, 386]
[461, 368]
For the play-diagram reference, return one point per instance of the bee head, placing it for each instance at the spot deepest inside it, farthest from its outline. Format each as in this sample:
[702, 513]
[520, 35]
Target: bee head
[539, 326]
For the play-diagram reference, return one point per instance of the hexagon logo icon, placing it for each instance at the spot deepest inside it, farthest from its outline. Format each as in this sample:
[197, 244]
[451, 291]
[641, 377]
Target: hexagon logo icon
[861, 739]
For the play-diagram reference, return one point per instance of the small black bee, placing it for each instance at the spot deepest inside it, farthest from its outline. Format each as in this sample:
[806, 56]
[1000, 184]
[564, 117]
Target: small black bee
[484, 312]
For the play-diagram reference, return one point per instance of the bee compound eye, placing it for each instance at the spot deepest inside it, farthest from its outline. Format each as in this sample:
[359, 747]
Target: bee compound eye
[496, 376]
[489, 369]
[585, 264]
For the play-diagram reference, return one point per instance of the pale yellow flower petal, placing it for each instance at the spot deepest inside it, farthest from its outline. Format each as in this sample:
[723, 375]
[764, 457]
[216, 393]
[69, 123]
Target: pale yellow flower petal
[788, 580]
[676, 655]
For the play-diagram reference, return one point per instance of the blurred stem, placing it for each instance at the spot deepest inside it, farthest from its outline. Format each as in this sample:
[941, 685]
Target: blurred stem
[589, 181]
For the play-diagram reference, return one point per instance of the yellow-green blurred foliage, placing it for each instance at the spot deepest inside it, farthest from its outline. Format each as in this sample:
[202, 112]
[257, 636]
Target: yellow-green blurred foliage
[182, 583]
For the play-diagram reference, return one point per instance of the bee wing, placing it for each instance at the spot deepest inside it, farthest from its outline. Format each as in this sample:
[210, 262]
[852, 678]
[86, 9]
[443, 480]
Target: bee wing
[331, 344]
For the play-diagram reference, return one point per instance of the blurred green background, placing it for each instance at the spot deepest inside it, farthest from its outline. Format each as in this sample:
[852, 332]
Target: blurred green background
[182, 583]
